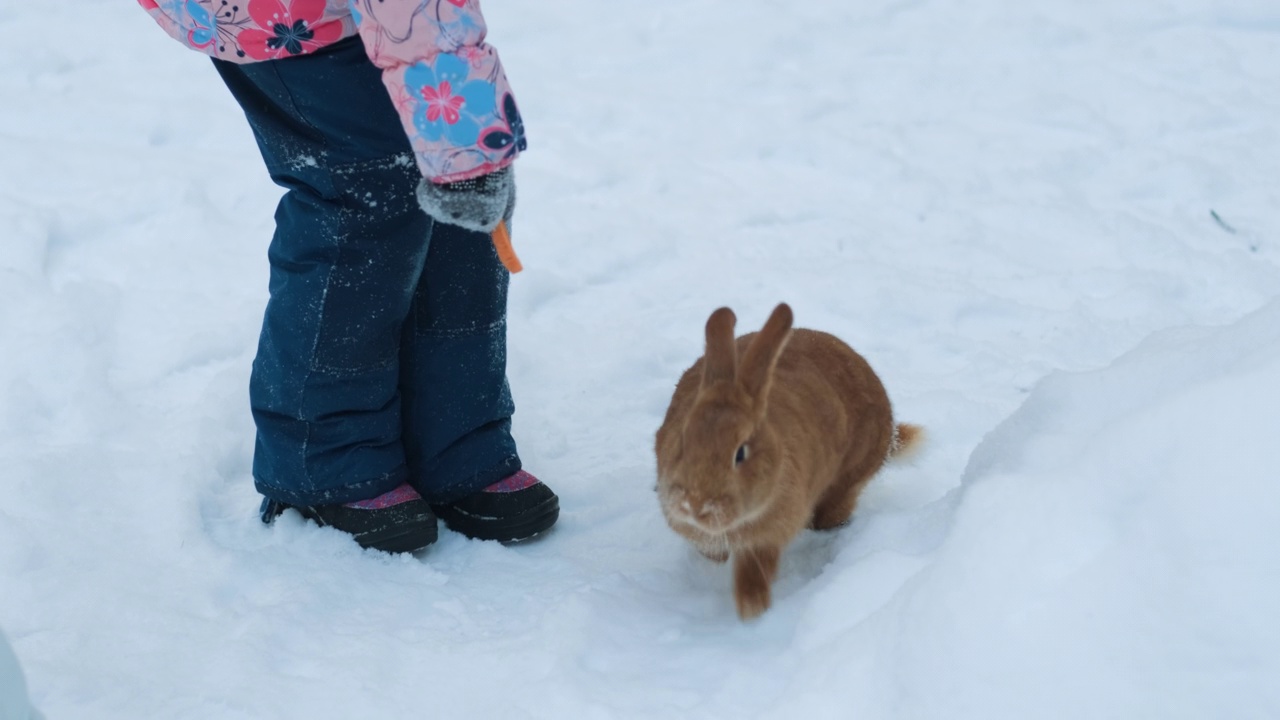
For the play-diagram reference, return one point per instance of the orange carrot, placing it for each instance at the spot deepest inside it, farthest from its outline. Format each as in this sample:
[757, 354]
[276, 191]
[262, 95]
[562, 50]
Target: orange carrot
[506, 253]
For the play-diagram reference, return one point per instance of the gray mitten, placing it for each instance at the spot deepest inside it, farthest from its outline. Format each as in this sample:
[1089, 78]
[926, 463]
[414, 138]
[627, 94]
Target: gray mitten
[477, 204]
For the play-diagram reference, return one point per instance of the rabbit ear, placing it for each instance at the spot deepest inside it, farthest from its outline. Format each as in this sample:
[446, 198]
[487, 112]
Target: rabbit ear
[721, 358]
[761, 357]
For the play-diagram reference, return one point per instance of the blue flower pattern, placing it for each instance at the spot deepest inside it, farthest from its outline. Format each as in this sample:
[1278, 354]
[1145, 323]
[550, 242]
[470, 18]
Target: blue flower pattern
[202, 32]
[479, 106]
[445, 81]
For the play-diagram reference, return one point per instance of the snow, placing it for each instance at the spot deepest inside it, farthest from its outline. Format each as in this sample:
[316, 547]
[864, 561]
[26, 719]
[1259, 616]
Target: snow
[14, 703]
[1005, 206]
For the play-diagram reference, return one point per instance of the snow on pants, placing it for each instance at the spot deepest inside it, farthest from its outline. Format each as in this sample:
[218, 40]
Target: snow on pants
[382, 357]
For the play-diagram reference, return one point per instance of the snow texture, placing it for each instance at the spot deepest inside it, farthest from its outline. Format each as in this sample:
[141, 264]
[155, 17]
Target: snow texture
[1051, 227]
[14, 703]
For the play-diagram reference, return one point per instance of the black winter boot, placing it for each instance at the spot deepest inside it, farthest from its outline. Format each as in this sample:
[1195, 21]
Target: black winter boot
[516, 508]
[395, 522]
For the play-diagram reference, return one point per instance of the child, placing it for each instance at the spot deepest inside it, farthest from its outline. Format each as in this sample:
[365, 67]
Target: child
[379, 389]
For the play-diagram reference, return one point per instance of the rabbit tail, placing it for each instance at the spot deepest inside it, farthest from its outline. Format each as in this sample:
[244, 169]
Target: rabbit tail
[907, 441]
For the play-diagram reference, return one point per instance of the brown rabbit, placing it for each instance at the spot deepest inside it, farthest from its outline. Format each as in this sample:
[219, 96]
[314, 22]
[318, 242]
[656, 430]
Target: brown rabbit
[768, 434]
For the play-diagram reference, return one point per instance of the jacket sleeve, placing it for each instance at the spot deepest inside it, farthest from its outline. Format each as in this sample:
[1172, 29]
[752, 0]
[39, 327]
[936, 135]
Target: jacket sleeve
[446, 82]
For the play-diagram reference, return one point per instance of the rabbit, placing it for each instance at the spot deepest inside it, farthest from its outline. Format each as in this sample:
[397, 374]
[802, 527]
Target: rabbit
[766, 435]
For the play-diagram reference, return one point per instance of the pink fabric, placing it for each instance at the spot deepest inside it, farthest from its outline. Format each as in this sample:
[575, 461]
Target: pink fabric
[401, 494]
[240, 32]
[513, 483]
[448, 85]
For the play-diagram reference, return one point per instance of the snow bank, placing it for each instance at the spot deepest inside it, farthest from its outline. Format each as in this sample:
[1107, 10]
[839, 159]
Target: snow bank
[14, 703]
[1112, 551]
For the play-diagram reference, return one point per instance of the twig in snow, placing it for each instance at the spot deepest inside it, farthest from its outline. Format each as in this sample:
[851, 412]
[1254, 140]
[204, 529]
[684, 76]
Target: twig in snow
[1253, 242]
[1221, 223]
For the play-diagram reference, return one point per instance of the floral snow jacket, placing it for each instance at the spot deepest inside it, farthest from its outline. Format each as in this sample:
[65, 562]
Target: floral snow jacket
[448, 85]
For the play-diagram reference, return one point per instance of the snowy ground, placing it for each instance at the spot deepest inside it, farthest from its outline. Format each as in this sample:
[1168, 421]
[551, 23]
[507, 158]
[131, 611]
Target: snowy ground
[1004, 204]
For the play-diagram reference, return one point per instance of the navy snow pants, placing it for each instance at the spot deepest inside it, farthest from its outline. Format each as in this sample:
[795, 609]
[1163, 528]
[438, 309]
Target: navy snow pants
[382, 357]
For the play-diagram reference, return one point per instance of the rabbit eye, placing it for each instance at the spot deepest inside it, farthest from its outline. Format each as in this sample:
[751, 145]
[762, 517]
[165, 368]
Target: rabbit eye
[741, 457]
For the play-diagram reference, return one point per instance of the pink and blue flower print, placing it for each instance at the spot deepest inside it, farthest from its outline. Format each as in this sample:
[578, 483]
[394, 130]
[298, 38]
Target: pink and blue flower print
[447, 83]
[447, 103]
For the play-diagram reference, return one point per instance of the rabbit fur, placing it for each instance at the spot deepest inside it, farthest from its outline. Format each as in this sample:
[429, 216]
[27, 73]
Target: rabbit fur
[768, 434]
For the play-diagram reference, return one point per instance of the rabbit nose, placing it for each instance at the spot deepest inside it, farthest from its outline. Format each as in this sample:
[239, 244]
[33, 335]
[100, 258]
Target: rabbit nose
[700, 508]
[708, 511]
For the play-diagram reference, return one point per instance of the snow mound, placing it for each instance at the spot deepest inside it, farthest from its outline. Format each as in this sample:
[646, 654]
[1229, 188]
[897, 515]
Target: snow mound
[1112, 548]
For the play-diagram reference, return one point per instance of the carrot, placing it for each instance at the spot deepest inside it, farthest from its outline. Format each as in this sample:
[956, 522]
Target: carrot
[506, 253]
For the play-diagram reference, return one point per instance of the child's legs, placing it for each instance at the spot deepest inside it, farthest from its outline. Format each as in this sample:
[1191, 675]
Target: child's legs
[349, 246]
[325, 385]
[456, 402]
[379, 361]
